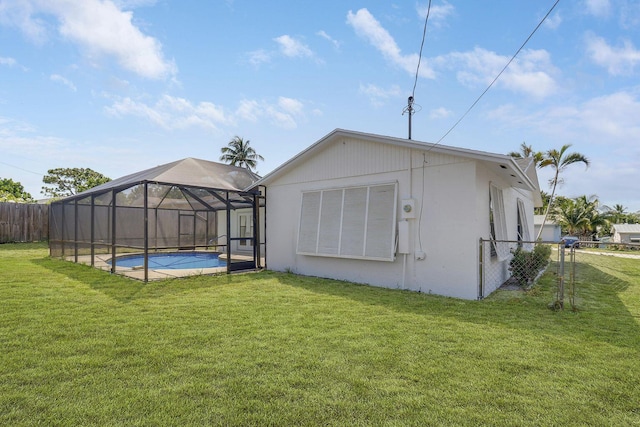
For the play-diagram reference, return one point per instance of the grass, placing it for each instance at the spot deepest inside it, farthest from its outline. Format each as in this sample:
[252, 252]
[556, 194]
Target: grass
[82, 347]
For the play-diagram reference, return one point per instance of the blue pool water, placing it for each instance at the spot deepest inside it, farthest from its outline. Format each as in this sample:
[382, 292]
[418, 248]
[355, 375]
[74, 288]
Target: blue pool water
[172, 261]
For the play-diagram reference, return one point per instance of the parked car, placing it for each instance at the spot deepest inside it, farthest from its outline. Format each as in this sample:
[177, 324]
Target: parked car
[571, 242]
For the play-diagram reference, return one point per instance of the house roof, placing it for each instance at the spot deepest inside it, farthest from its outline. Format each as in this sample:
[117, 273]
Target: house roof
[188, 172]
[505, 166]
[626, 228]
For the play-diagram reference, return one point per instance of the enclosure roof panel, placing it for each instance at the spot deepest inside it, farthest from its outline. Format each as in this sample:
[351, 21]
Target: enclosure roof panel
[187, 172]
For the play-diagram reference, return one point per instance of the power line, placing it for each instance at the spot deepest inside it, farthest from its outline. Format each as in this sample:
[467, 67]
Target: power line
[500, 73]
[22, 169]
[409, 108]
[424, 35]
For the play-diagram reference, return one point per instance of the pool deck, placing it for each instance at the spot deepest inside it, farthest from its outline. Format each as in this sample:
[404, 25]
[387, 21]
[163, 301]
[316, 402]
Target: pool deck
[101, 261]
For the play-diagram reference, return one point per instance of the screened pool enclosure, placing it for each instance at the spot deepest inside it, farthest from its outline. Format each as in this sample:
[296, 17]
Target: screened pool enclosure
[190, 206]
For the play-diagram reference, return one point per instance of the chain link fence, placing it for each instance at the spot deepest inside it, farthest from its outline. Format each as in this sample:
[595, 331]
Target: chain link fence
[597, 266]
[512, 264]
[580, 267]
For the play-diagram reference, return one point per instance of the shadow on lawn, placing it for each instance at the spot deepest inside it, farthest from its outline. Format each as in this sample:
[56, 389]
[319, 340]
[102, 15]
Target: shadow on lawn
[124, 289]
[604, 317]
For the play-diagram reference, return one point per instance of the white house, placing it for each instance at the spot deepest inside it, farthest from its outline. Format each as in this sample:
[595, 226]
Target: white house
[626, 233]
[551, 231]
[398, 213]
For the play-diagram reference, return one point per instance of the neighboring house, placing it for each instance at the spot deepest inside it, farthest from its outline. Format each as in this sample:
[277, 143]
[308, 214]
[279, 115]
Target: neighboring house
[398, 213]
[551, 231]
[626, 233]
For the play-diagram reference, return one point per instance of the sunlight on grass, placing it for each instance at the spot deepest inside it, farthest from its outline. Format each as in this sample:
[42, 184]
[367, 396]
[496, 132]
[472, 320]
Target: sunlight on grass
[82, 347]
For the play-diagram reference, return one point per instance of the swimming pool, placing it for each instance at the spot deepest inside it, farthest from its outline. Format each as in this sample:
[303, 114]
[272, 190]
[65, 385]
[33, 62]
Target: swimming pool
[172, 261]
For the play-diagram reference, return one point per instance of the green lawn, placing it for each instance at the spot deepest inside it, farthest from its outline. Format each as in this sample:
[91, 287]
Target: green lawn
[82, 347]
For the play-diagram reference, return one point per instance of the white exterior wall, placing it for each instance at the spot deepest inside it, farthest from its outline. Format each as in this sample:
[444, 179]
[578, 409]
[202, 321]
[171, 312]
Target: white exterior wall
[551, 231]
[451, 195]
[619, 237]
[449, 233]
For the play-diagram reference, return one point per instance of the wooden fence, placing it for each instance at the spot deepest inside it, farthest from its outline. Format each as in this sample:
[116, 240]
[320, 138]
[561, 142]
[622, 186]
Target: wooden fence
[22, 222]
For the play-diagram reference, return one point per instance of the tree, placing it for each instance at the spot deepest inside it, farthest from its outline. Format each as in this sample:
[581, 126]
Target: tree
[71, 181]
[618, 215]
[527, 151]
[580, 216]
[545, 202]
[559, 160]
[13, 191]
[239, 153]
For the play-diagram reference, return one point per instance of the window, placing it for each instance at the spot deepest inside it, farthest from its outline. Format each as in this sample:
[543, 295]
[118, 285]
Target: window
[498, 224]
[350, 222]
[523, 227]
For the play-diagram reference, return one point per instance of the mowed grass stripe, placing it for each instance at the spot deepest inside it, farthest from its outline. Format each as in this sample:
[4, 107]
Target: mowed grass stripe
[82, 347]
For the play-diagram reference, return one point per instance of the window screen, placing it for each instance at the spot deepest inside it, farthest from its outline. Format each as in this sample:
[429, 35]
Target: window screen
[352, 222]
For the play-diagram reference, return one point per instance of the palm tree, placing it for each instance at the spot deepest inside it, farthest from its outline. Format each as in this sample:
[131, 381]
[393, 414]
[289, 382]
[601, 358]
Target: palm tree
[527, 151]
[617, 214]
[571, 215]
[239, 153]
[559, 160]
[580, 216]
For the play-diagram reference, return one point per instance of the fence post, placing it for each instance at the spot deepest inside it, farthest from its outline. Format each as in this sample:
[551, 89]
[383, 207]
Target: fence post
[560, 299]
[481, 270]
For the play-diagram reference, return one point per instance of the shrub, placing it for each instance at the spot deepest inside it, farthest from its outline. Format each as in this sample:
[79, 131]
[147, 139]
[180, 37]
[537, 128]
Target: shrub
[525, 265]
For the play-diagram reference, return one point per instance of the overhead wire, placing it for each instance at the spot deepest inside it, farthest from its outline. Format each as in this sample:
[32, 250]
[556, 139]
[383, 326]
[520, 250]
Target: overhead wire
[424, 36]
[499, 74]
[22, 169]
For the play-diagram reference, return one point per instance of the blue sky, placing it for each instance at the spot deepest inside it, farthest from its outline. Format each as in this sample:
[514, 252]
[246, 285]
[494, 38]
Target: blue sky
[121, 86]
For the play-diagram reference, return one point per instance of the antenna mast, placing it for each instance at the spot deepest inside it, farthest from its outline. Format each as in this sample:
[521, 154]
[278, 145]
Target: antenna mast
[409, 110]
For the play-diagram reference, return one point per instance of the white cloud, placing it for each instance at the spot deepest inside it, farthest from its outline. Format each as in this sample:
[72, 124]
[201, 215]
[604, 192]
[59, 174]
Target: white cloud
[290, 105]
[598, 8]
[59, 79]
[293, 48]
[101, 28]
[377, 95]
[367, 27]
[132, 4]
[171, 112]
[440, 113]
[7, 61]
[326, 36]
[20, 15]
[437, 14]
[258, 57]
[530, 73]
[618, 61]
[553, 21]
[285, 113]
[609, 120]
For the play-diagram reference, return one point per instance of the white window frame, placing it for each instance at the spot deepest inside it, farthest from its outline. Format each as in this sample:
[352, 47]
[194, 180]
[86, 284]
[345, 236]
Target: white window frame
[331, 226]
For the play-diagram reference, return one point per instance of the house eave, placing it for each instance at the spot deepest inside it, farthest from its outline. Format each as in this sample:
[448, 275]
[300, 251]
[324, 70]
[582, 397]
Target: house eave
[503, 165]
